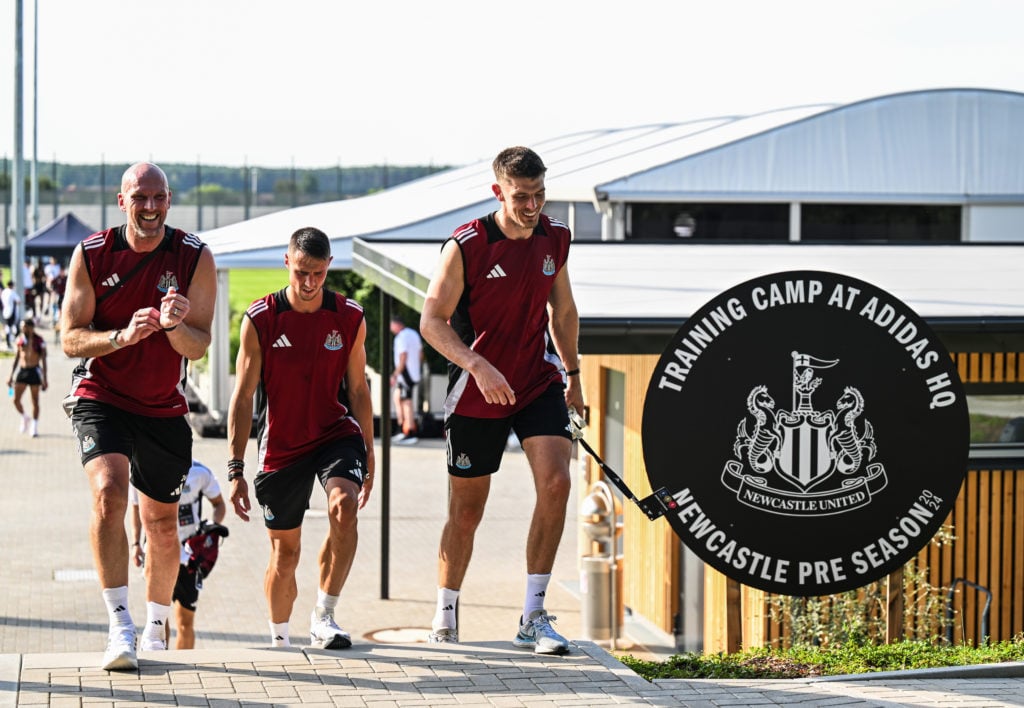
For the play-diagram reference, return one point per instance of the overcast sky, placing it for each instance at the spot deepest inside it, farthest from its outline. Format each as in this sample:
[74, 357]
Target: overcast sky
[333, 82]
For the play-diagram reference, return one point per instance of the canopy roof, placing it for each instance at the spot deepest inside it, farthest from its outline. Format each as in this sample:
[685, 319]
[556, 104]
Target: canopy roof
[59, 237]
[633, 296]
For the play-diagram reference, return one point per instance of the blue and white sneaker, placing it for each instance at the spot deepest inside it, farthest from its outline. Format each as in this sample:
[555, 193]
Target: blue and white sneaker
[537, 634]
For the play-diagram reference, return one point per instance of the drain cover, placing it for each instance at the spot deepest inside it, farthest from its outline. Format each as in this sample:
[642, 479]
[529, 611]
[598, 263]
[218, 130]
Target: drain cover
[399, 635]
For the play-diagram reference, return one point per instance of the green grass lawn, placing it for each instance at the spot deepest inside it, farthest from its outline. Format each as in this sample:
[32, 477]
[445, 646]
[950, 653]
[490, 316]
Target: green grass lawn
[247, 284]
[802, 662]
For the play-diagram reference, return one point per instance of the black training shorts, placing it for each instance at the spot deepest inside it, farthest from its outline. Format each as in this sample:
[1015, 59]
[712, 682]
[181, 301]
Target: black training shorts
[405, 385]
[475, 445]
[160, 449]
[30, 377]
[284, 494]
[186, 589]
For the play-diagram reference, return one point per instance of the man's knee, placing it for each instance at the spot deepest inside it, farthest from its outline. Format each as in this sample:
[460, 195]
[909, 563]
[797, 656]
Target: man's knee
[284, 557]
[342, 510]
[111, 502]
[554, 486]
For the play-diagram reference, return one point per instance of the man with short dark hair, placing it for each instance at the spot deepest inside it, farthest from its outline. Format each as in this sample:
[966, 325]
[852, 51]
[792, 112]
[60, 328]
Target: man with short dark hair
[486, 310]
[302, 354]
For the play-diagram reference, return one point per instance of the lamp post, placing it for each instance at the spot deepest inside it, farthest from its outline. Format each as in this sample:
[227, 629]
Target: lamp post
[17, 180]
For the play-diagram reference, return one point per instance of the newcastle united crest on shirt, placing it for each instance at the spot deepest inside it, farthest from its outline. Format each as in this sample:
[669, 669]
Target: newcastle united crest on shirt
[811, 429]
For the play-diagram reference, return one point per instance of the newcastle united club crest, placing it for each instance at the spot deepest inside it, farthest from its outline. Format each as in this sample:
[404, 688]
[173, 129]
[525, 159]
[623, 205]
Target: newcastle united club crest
[805, 461]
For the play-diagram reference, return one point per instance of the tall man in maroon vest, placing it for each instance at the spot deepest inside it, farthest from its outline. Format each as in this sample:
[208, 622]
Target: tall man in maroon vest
[138, 306]
[486, 311]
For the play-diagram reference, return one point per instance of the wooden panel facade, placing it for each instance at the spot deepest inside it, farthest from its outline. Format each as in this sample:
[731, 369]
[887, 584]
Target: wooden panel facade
[650, 548]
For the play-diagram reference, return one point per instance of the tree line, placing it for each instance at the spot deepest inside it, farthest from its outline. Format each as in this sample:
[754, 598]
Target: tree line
[219, 184]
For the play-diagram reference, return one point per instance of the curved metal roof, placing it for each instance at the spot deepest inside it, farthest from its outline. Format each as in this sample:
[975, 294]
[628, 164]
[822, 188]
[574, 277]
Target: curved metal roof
[945, 145]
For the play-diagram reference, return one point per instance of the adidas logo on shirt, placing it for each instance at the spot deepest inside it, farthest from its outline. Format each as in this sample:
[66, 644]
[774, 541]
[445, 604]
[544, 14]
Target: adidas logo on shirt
[282, 341]
[111, 281]
[497, 272]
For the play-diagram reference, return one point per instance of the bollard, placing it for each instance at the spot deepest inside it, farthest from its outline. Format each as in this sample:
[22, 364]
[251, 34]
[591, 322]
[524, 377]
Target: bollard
[600, 571]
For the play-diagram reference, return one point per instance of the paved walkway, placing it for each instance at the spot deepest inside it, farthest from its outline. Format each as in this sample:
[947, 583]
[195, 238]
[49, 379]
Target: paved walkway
[53, 624]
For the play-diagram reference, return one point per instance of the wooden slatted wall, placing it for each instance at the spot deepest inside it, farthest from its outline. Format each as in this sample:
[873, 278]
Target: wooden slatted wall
[990, 367]
[650, 548]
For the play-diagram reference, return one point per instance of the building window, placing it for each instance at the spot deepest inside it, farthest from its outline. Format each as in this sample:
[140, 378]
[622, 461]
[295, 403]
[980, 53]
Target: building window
[880, 222]
[709, 222]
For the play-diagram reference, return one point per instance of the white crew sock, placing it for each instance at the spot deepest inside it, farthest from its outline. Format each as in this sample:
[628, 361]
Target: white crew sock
[156, 621]
[325, 601]
[536, 589]
[447, 601]
[116, 600]
[279, 634]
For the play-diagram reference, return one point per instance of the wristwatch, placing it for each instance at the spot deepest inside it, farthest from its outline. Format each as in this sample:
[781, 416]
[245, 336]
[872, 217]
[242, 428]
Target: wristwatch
[113, 339]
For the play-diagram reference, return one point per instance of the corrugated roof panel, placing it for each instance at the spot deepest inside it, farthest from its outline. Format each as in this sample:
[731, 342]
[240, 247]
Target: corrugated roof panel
[928, 145]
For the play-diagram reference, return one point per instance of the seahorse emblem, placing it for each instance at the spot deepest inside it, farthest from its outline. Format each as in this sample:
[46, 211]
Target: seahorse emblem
[761, 442]
[849, 445]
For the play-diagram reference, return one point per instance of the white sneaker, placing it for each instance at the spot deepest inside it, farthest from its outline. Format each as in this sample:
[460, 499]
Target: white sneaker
[120, 652]
[443, 636]
[23, 426]
[398, 437]
[35, 428]
[409, 440]
[537, 633]
[152, 643]
[324, 633]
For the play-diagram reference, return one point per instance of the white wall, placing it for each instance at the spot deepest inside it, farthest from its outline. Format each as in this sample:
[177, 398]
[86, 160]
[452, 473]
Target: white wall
[994, 223]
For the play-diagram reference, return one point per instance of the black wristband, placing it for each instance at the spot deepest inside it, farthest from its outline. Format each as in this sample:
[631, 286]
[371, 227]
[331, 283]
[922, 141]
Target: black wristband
[169, 329]
[235, 474]
[574, 372]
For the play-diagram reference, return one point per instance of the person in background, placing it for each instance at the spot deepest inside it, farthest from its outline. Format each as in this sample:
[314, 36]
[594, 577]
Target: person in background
[487, 311]
[199, 483]
[138, 306]
[10, 305]
[51, 269]
[408, 348]
[28, 371]
[302, 354]
[58, 287]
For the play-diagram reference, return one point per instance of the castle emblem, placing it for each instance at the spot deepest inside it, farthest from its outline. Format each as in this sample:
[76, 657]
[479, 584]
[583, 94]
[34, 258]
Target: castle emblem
[333, 341]
[804, 461]
[167, 281]
[549, 265]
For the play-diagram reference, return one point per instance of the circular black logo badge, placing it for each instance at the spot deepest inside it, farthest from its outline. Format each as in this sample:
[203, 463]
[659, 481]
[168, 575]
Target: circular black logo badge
[811, 429]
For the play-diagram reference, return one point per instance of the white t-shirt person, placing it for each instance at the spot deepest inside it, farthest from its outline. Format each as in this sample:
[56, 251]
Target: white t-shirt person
[200, 483]
[408, 342]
